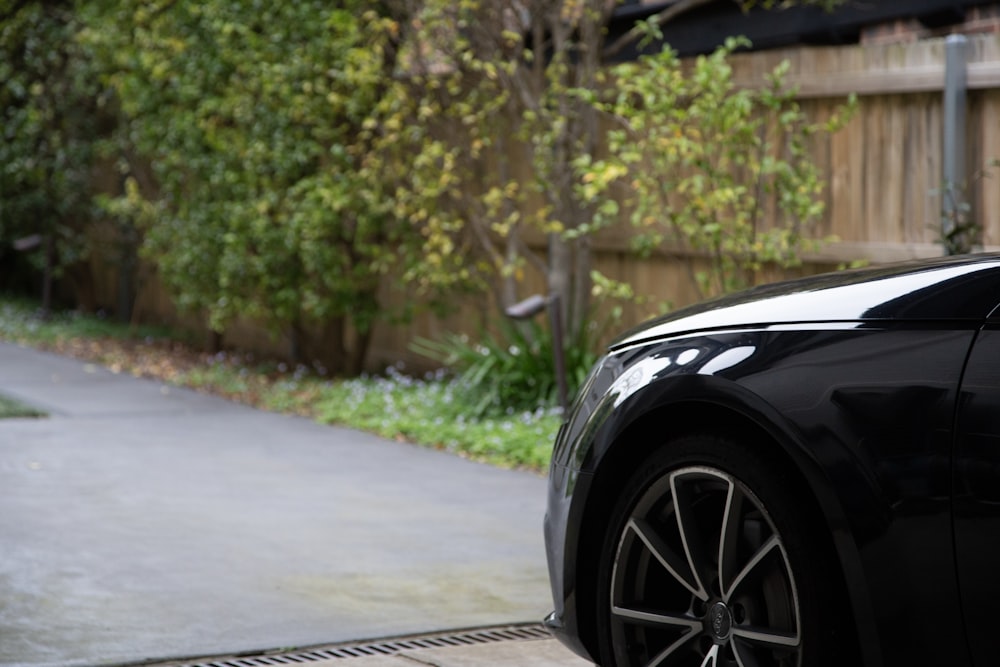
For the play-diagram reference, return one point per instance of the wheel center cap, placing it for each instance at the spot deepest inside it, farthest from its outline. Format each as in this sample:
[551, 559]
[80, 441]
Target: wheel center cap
[720, 620]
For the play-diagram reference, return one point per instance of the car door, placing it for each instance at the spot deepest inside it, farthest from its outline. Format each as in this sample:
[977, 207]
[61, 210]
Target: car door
[977, 494]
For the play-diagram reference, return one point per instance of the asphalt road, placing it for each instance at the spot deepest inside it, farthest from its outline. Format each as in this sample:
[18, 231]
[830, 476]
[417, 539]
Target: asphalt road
[140, 521]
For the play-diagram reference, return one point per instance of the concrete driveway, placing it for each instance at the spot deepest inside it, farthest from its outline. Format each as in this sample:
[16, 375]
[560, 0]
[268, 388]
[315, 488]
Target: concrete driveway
[143, 521]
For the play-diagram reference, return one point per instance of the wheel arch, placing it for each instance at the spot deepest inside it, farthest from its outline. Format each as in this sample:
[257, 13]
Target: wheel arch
[723, 418]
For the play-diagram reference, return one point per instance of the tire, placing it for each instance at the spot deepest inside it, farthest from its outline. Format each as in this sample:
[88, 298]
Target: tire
[711, 559]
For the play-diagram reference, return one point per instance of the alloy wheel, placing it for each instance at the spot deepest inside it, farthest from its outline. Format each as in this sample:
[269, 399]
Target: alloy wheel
[701, 577]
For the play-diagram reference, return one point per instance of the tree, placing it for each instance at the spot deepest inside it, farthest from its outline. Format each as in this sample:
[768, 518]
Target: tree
[499, 78]
[519, 84]
[263, 123]
[49, 122]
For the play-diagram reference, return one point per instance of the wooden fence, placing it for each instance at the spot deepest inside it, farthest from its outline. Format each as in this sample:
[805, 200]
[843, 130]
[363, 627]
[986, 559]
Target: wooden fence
[884, 174]
[885, 169]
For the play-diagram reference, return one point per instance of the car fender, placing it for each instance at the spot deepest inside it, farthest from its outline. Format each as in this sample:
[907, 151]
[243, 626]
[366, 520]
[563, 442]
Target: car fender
[637, 394]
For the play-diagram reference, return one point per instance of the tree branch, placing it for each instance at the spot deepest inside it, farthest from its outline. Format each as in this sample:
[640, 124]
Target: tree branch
[533, 257]
[636, 33]
[485, 242]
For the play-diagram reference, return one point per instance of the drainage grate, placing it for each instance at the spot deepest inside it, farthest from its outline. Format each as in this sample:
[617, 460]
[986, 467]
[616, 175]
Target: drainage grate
[505, 633]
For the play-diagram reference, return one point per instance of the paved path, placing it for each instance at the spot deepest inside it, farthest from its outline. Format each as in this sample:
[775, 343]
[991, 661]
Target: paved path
[144, 521]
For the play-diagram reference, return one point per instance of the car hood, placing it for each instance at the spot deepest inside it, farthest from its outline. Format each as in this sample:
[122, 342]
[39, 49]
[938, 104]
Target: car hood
[947, 289]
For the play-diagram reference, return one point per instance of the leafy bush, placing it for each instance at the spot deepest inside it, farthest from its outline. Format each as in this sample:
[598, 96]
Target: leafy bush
[512, 370]
[51, 121]
[721, 173]
[265, 127]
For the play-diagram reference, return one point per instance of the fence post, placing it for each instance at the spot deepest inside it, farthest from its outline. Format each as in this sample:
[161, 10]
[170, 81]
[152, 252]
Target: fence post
[955, 91]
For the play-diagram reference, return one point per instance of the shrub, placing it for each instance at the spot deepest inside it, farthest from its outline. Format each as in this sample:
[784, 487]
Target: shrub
[512, 370]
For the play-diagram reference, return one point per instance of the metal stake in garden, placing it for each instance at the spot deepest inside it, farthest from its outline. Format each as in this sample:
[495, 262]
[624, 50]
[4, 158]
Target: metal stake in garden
[528, 308]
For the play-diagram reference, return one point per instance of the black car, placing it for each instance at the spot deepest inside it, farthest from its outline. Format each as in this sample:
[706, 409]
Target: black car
[802, 474]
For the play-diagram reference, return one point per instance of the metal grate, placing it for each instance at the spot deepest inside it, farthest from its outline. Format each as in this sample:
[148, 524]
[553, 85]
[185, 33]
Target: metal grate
[393, 646]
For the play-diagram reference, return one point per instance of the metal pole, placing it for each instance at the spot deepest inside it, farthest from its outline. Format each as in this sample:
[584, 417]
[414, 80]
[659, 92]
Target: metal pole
[955, 91]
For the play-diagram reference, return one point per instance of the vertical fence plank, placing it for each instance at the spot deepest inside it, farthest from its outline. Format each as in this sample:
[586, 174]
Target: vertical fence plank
[987, 188]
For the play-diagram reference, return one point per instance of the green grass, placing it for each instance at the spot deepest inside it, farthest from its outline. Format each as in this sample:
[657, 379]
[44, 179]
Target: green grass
[432, 411]
[11, 409]
[20, 321]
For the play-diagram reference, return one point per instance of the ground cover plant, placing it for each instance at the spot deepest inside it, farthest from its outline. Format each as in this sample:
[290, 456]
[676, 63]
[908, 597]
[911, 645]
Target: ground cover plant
[431, 410]
[11, 409]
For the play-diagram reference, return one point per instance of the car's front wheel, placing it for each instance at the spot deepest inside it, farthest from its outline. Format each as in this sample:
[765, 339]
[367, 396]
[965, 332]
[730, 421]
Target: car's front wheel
[711, 559]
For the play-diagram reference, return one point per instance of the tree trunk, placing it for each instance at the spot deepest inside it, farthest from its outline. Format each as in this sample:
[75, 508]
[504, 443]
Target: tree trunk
[333, 346]
[356, 361]
[560, 269]
[215, 341]
[83, 287]
[47, 271]
[581, 311]
[298, 340]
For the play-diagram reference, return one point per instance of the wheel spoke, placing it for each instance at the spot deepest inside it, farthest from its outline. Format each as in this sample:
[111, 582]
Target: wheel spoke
[665, 555]
[767, 637]
[766, 548]
[712, 657]
[656, 619]
[690, 537]
[729, 537]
